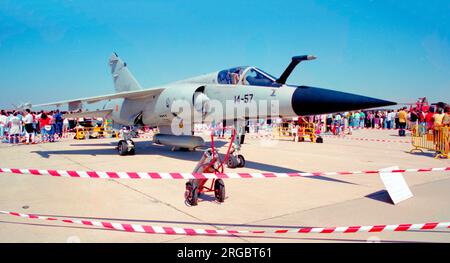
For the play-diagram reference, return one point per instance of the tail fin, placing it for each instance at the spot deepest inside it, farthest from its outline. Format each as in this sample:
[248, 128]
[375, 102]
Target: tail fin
[122, 77]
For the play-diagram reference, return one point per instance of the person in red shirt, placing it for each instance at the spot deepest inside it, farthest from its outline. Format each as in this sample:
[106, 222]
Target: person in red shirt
[429, 119]
[43, 122]
[422, 123]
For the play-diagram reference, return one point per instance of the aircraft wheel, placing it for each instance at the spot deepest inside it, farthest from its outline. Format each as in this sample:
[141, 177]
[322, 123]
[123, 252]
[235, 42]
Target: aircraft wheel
[219, 190]
[122, 148]
[232, 162]
[191, 195]
[319, 140]
[241, 160]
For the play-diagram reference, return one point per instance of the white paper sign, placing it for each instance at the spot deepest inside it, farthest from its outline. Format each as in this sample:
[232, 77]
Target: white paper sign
[395, 185]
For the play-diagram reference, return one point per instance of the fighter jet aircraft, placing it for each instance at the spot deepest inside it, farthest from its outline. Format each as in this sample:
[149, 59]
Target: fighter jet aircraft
[237, 87]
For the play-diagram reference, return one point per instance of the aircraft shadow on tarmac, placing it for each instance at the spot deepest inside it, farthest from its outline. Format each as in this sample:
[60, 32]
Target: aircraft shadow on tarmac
[232, 236]
[147, 148]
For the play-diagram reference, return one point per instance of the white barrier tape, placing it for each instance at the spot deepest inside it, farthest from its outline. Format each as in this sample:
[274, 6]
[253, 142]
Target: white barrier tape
[37, 139]
[259, 136]
[145, 136]
[191, 231]
[370, 128]
[176, 176]
[364, 139]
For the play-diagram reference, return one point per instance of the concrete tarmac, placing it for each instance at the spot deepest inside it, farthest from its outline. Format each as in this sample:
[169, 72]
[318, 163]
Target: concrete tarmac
[326, 201]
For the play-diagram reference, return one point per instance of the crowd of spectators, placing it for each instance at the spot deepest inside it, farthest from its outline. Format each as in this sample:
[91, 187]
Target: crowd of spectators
[402, 118]
[25, 126]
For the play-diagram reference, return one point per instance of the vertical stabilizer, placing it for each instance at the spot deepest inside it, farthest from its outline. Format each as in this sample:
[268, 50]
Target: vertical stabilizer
[122, 77]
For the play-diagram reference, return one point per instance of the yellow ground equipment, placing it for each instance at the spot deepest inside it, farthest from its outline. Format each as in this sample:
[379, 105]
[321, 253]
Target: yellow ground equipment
[284, 130]
[297, 132]
[436, 140]
[80, 133]
[93, 132]
[307, 130]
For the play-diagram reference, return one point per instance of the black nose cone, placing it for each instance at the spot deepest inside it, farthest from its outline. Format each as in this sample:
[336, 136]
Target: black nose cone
[310, 100]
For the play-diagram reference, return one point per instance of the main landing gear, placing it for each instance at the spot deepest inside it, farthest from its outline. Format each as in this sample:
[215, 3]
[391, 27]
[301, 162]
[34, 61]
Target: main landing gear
[126, 147]
[235, 160]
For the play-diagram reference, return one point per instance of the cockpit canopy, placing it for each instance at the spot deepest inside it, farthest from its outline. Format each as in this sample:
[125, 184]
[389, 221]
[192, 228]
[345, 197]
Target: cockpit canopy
[246, 75]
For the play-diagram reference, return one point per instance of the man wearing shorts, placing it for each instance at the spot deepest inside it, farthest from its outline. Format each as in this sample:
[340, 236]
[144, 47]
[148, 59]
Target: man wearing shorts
[28, 122]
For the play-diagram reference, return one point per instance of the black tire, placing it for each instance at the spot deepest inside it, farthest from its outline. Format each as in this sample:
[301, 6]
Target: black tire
[241, 161]
[232, 162]
[122, 148]
[319, 140]
[219, 190]
[192, 196]
[194, 200]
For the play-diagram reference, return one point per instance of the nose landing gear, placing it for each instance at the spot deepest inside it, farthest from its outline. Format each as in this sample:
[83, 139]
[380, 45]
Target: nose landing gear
[235, 160]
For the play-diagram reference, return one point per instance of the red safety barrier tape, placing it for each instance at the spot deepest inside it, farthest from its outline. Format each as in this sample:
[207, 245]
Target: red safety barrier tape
[69, 135]
[364, 139]
[367, 128]
[192, 231]
[258, 136]
[176, 175]
[38, 139]
[370, 128]
[146, 136]
[203, 129]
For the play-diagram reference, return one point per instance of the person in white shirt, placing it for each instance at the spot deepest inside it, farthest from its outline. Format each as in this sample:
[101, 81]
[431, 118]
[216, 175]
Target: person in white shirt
[389, 119]
[28, 122]
[3, 123]
[14, 128]
[65, 126]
